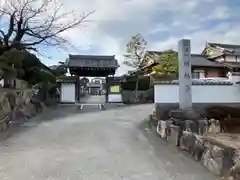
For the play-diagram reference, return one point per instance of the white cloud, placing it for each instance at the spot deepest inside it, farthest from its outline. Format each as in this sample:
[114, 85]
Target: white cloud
[220, 12]
[159, 28]
[220, 34]
[115, 21]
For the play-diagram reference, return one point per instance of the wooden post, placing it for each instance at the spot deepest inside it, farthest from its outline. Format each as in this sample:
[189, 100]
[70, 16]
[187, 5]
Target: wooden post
[106, 89]
[78, 89]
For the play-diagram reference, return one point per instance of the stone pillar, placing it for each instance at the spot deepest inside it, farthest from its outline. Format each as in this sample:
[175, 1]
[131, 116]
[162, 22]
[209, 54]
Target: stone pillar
[185, 75]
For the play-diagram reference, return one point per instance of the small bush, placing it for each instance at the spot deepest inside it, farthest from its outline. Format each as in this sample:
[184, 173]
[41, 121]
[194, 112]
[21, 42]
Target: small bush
[130, 83]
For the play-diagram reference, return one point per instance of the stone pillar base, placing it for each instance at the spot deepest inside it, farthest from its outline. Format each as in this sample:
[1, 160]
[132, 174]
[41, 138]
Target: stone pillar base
[163, 128]
[174, 135]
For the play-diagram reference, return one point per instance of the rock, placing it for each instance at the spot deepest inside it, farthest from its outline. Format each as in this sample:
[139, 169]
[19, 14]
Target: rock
[16, 105]
[3, 123]
[234, 173]
[29, 110]
[163, 128]
[178, 122]
[187, 141]
[5, 107]
[193, 144]
[217, 153]
[198, 148]
[176, 114]
[174, 136]
[191, 126]
[4, 126]
[235, 170]
[12, 99]
[214, 126]
[185, 114]
[211, 165]
[193, 114]
[202, 127]
[212, 158]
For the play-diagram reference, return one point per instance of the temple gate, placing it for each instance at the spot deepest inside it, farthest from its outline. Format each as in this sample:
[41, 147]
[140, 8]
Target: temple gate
[91, 66]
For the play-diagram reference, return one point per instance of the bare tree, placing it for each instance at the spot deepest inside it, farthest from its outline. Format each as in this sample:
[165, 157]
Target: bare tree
[34, 22]
[28, 23]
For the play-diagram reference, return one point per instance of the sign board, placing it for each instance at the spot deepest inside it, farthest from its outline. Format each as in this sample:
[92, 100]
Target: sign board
[115, 89]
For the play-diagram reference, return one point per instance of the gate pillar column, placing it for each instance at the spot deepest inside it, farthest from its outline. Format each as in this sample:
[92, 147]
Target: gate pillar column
[106, 89]
[78, 89]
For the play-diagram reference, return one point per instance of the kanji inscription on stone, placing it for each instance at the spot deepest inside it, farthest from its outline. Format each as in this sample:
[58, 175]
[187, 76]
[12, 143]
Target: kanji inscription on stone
[185, 80]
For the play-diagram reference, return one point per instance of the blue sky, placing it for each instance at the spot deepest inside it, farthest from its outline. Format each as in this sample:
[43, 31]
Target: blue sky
[161, 22]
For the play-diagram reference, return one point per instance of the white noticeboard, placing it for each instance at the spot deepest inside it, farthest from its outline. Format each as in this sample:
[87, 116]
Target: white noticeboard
[115, 98]
[68, 93]
[114, 95]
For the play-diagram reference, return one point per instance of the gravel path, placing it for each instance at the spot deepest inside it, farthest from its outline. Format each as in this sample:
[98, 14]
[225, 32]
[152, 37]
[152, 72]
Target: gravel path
[66, 144]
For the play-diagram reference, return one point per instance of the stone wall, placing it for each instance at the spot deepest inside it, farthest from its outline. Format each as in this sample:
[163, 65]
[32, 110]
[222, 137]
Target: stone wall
[202, 139]
[17, 105]
[163, 109]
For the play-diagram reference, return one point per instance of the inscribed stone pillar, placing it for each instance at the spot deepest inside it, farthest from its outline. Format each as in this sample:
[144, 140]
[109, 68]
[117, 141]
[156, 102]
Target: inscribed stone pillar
[185, 79]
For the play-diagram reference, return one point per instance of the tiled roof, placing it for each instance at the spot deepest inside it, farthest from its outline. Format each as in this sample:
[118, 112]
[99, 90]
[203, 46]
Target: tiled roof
[196, 82]
[196, 60]
[92, 61]
[67, 79]
[232, 47]
[200, 60]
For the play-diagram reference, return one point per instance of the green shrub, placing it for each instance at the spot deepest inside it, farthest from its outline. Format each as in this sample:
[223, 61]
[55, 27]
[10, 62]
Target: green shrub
[130, 83]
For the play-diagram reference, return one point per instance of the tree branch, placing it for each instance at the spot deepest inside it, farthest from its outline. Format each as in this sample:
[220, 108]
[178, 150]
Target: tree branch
[10, 29]
[3, 34]
[30, 25]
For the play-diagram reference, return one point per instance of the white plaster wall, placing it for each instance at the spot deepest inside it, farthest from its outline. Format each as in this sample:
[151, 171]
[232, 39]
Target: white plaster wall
[200, 93]
[115, 98]
[67, 93]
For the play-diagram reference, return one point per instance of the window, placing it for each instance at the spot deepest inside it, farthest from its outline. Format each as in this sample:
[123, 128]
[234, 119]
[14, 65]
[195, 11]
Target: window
[237, 58]
[97, 81]
[197, 74]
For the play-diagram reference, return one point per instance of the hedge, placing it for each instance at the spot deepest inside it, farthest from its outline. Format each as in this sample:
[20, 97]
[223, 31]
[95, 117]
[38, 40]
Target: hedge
[130, 83]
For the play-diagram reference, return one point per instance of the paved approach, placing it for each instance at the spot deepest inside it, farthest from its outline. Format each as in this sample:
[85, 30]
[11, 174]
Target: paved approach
[66, 144]
[93, 99]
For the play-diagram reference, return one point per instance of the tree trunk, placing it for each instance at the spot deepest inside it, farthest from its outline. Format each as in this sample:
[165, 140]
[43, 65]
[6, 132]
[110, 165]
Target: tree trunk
[136, 89]
[1, 82]
[7, 83]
